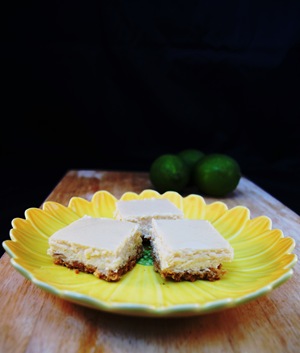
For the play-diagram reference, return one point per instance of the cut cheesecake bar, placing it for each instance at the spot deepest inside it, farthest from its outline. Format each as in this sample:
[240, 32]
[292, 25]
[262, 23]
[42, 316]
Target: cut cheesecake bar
[143, 211]
[189, 250]
[105, 247]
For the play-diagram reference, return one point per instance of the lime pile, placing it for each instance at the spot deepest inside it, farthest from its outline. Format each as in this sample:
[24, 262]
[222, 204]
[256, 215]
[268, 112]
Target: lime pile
[214, 174]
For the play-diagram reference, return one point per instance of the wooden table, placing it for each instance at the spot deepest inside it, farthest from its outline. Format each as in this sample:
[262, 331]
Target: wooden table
[33, 321]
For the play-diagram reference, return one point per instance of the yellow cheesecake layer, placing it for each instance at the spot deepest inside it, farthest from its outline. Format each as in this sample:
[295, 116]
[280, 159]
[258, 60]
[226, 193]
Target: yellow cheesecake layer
[188, 245]
[143, 211]
[101, 243]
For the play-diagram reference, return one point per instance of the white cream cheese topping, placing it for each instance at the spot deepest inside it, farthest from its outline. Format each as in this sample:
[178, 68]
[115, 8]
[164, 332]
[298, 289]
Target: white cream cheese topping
[103, 233]
[132, 209]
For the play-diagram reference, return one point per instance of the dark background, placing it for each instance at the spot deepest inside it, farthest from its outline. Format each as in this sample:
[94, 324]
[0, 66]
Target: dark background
[114, 84]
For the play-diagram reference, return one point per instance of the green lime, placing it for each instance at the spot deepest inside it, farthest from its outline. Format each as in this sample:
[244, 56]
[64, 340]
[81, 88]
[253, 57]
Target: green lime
[168, 172]
[217, 174]
[191, 156]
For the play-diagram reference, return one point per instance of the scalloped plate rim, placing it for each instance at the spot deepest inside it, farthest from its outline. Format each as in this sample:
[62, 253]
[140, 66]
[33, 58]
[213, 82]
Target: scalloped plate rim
[133, 309]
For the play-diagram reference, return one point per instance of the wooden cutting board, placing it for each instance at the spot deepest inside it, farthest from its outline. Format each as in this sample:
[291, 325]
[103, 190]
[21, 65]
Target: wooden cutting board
[34, 321]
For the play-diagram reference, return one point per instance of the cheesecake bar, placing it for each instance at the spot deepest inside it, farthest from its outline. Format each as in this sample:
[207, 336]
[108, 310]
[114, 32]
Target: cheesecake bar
[189, 250]
[106, 247]
[143, 211]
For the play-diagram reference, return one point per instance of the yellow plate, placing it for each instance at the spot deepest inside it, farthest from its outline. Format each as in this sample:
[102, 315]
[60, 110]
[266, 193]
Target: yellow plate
[263, 260]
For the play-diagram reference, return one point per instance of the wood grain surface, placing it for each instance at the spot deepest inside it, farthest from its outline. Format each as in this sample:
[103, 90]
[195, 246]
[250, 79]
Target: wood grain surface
[34, 321]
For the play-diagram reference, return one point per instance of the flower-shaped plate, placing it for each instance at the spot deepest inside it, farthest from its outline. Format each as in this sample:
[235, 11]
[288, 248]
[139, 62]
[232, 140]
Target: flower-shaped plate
[263, 259]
